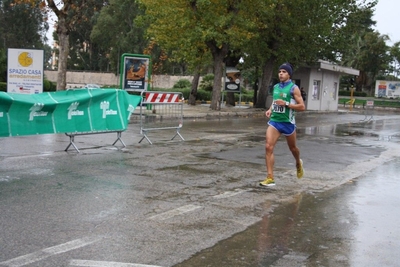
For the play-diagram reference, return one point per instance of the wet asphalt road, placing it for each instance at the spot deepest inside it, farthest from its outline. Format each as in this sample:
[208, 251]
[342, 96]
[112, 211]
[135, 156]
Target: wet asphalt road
[355, 224]
[197, 203]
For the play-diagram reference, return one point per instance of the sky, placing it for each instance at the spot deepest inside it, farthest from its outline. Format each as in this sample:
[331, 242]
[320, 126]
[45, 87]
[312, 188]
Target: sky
[385, 15]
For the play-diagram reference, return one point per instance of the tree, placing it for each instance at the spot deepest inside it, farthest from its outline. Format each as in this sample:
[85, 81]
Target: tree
[295, 31]
[395, 54]
[365, 48]
[69, 13]
[372, 58]
[3, 65]
[195, 27]
[21, 26]
[84, 54]
[116, 31]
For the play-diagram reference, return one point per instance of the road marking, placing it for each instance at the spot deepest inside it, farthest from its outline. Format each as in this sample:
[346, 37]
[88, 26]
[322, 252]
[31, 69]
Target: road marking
[85, 263]
[48, 252]
[174, 212]
[230, 193]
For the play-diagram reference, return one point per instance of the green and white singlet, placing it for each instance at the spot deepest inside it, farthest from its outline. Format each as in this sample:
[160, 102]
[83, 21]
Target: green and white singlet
[283, 113]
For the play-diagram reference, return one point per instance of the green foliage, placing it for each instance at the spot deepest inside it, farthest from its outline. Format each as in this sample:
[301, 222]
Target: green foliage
[21, 25]
[207, 83]
[85, 54]
[203, 95]
[49, 86]
[3, 87]
[116, 32]
[183, 83]
[3, 65]
[377, 102]
[355, 93]
[247, 96]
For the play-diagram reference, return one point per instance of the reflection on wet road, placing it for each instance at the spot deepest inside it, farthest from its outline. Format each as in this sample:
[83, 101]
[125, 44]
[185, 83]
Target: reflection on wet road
[354, 225]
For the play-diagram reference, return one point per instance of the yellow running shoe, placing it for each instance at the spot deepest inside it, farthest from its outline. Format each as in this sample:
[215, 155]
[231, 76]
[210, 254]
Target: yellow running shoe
[268, 182]
[300, 170]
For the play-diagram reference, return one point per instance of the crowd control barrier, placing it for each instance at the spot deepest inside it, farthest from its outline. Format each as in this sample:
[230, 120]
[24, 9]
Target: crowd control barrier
[161, 111]
[72, 138]
[369, 111]
[71, 112]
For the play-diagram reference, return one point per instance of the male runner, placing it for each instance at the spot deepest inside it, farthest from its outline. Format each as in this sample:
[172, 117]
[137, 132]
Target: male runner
[286, 100]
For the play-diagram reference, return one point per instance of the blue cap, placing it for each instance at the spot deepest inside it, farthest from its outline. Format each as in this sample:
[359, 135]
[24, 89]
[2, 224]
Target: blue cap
[286, 66]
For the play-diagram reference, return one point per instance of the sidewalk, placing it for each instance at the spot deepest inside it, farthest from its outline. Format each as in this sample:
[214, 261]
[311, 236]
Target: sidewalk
[203, 111]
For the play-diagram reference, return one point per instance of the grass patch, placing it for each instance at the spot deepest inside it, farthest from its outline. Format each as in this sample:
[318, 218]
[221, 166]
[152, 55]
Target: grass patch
[378, 102]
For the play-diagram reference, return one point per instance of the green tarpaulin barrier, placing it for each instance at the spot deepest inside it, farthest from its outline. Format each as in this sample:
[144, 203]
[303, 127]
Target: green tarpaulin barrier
[71, 111]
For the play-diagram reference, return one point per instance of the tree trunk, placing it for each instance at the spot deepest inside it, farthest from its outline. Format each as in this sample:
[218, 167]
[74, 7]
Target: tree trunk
[230, 99]
[63, 46]
[265, 81]
[193, 90]
[218, 55]
[255, 88]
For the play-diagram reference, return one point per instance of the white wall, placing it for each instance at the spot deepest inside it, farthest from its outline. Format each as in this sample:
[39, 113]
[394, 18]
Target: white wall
[329, 96]
[326, 97]
[79, 79]
[302, 76]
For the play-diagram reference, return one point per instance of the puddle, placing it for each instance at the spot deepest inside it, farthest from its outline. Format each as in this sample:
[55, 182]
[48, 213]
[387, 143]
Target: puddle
[192, 168]
[351, 225]
[265, 242]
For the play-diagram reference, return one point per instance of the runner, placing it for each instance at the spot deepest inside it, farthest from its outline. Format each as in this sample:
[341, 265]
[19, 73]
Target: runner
[286, 100]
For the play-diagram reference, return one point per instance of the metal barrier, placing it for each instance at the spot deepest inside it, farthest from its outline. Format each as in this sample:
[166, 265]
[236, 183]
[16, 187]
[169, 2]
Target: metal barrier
[72, 138]
[369, 111]
[161, 111]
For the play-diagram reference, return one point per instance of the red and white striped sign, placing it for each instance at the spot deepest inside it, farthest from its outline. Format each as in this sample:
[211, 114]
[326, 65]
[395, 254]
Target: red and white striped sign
[162, 98]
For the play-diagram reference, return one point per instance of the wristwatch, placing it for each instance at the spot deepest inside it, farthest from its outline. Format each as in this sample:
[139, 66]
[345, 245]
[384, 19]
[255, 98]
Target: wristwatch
[287, 104]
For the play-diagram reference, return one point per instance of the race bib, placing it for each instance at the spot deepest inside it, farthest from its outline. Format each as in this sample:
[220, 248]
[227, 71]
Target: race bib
[278, 109]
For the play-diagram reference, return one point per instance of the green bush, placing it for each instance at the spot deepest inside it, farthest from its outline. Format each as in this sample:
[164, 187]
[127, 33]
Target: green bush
[203, 95]
[355, 93]
[247, 96]
[377, 103]
[49, 86]
[183, 83]
[3, 87]
[185, 92]
[46, 85]
[207, 83]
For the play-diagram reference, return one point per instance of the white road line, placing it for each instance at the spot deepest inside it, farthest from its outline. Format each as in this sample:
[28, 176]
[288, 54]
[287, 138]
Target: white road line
[85, 263]
[48, 252]
[174, 212]
[230, 193]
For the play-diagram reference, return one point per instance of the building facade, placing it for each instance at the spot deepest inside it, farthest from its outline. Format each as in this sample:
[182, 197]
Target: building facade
[321, 83]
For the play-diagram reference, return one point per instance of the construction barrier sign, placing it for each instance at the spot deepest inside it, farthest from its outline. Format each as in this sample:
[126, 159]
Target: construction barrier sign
[161, 111]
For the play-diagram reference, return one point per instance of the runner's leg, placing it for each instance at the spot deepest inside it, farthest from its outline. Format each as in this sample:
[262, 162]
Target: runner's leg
[291, 141]
[271, 137]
